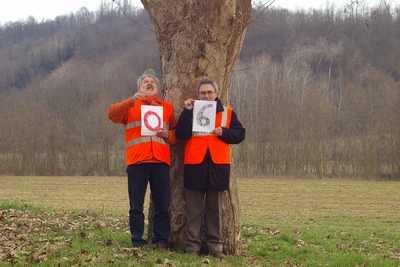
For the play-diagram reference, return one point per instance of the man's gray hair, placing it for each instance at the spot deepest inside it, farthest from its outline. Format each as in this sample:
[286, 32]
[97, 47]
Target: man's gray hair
[207, 81]
[144, 76]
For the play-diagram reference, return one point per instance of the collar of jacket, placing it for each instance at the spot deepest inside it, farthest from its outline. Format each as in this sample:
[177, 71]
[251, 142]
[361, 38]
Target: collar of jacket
[220, 107]
[152, 100]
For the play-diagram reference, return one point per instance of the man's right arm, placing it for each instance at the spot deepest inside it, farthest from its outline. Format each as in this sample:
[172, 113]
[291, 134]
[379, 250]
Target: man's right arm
[117, 113]
[184, 127]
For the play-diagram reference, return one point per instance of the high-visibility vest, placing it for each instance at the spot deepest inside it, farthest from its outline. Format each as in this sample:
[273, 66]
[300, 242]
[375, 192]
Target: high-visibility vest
[196, 147]
[144, 148]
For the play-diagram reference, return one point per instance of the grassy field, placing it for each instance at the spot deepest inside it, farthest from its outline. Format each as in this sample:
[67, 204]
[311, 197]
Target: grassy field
[75, 221]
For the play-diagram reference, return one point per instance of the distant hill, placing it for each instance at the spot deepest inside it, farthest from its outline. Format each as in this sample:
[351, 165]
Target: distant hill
[320, 81]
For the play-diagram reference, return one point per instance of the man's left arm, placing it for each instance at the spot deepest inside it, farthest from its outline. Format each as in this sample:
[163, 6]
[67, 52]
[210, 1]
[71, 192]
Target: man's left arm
[172, 139]
[235, 134]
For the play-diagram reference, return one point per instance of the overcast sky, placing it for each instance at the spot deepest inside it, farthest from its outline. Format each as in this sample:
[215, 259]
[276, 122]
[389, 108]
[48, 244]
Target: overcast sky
[13, 10]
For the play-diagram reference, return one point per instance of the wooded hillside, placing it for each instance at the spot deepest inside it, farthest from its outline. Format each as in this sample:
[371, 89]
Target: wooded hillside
[317, 91]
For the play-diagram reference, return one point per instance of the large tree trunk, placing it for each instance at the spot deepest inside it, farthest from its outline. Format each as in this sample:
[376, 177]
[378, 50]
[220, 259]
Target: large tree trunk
[197, 40]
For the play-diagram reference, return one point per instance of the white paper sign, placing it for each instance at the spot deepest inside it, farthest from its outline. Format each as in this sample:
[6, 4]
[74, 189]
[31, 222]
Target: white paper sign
[204, 116]
[152, 119]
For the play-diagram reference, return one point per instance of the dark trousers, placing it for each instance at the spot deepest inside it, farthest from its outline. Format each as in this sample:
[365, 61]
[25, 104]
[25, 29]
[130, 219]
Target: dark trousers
[158, 175]
[212, 199]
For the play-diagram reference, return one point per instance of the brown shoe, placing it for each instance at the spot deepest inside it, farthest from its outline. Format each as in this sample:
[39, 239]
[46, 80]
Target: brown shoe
[160, 246]
[218, 254]
[192, 252]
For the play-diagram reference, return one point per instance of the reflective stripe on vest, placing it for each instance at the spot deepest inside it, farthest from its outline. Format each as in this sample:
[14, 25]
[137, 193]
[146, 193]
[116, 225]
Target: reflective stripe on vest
[141, 148]
[146, 139]
[197, 146]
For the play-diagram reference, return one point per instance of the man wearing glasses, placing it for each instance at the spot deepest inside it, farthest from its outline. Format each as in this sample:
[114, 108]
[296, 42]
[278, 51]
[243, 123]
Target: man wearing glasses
[207, 168]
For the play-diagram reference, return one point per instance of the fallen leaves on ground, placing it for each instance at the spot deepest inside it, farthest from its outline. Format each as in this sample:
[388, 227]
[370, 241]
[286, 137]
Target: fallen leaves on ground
[38, 236]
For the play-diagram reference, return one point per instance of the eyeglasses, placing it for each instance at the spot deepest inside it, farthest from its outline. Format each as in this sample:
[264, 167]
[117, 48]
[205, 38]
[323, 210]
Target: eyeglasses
[206, 92]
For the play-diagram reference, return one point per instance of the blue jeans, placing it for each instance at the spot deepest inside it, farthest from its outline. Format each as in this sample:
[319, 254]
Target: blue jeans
[158, 175]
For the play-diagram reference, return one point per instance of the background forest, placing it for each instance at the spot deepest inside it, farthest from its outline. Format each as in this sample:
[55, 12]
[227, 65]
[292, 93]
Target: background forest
[317, 91]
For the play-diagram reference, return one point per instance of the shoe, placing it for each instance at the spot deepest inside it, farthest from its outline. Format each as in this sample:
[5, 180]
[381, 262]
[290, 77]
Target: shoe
[160, 246]
[218, 254]
[192, 252]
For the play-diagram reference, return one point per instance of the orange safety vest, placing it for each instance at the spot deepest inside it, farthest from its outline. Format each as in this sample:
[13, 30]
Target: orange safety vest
[145, 148]
[196, 147]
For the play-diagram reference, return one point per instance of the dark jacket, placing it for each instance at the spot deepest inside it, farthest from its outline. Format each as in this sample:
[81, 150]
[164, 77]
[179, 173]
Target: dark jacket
[208, 174]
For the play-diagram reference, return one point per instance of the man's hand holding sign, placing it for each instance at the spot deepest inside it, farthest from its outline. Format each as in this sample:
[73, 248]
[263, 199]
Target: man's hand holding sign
[203, 116]
[209, 128]
[152, 122]
[149, 131]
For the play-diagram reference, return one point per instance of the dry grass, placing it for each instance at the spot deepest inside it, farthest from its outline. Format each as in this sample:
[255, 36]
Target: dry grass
[286, 222]
[109, 194]
[308, 198]
[291, 199]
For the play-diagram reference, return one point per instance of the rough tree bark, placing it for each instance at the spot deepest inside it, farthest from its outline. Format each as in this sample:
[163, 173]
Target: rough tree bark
[199, 39]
